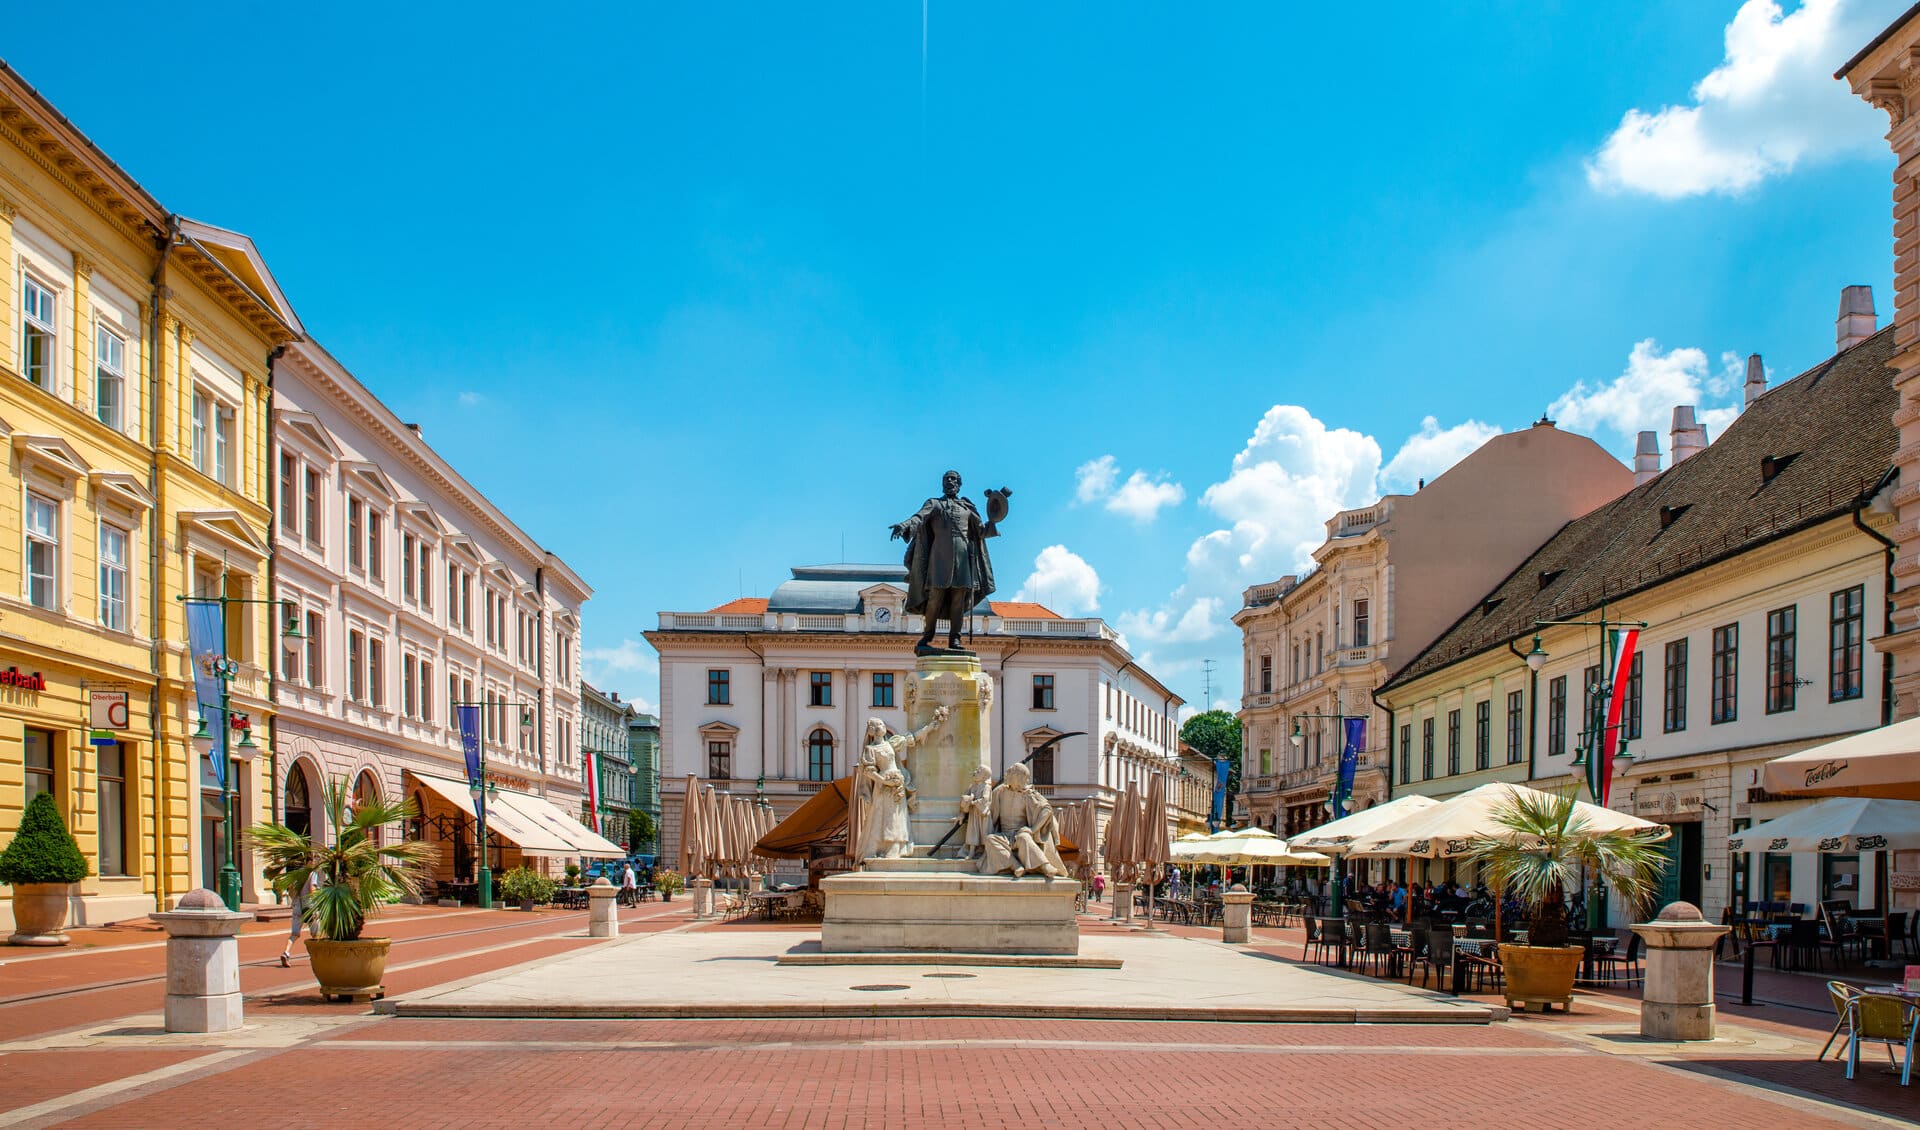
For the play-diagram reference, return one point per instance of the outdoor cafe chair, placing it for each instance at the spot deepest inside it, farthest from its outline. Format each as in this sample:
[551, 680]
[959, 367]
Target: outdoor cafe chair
[1377, 946]
[1884, 1019]
[1480, 958]
[1618, 966]
[1316, 947]
[1841, 994]
[1438, 958]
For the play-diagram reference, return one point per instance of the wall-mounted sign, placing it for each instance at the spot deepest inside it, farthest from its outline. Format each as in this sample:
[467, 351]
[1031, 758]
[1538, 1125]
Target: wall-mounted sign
[106, 716]
[12, 678]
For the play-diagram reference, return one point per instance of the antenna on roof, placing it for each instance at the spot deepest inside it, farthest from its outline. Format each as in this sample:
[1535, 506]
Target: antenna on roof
[1206, 671]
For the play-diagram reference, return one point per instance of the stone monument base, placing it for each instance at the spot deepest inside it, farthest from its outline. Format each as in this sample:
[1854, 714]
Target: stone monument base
[939, 906]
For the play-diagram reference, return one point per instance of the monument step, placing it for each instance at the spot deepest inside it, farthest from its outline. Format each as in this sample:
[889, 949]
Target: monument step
[921, 865]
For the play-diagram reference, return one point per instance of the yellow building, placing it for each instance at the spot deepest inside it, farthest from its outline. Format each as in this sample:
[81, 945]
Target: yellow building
[134, 399]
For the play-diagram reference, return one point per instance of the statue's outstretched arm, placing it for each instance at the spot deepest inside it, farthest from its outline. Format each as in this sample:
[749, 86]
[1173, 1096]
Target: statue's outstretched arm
[908, 741]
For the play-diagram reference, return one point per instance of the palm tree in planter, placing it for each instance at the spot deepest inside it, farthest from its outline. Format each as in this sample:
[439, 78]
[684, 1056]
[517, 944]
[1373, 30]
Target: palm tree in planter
[41, 865]
[1545, 846]
[353, 877]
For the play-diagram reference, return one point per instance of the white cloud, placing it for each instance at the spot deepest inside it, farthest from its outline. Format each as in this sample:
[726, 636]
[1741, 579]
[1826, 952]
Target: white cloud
[470, 399]
[1196, 623]
[1141, 497]
[1770, 105]
[619, 668]
[1643, 396]
[1063, 581]
[1432, 450]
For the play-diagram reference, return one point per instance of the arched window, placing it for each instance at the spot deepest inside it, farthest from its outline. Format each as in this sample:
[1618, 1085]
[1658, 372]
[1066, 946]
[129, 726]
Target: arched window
[367, 791]
[820, 756]
[299, 810]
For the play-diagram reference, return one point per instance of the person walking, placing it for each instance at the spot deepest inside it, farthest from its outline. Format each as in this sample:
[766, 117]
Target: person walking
[299, 917]
[1099, 886]
[629, 886]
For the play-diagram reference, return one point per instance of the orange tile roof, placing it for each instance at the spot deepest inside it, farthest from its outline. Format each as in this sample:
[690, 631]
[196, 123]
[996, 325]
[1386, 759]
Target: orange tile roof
[1021, 610]
[746, 605]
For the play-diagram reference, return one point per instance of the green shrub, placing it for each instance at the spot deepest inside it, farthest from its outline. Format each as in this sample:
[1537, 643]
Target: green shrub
[524, 883]
[42, 851]
[669, 882]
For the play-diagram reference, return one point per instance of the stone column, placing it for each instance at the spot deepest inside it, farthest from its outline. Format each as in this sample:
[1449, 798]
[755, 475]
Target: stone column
[942, 769]
[1236, 915]
[603, 916]
[203, 964]
[702, 898]
[1677, 1003]
[1122, 901]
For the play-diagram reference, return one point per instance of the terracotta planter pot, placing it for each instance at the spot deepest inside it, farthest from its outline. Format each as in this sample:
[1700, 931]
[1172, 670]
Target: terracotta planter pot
[1541, 975]
[349, 969]
[39, 911]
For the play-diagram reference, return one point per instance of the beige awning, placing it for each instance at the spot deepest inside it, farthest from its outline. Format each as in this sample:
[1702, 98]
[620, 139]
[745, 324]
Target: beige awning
[1882, 763]
[543, 814]
[503, 819]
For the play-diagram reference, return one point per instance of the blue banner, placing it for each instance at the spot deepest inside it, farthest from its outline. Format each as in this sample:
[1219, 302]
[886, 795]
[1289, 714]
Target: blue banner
[1355, 735]
[469, 717]
[206, 650]
[1221, 772]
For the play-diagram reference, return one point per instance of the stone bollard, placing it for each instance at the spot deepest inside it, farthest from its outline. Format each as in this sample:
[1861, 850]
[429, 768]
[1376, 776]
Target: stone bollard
[203, 964]
[756, 882]
[603, 916]
[1236, 914]
[703, 898]
[1123, 902]
[1677, 1003]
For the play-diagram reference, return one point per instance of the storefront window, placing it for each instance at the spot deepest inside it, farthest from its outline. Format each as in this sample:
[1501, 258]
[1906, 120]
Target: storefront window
[113, 810]
[39, 745]
[1840, 878]
[1778, 879]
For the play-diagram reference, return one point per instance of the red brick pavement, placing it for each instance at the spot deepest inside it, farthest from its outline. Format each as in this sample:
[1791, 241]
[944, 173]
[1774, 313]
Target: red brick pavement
[30, 1077]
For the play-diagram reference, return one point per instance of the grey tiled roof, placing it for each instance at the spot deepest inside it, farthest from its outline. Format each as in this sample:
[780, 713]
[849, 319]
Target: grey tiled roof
[835, 589]
[1835, 421]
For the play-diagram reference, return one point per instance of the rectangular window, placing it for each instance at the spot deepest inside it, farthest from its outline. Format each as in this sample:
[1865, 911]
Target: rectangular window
[820, 688]
[719, 686]
[1266, 674]
[1360, 623]
[426, 691]
[37, 333]
[223, 465]
[1632, 720]
[316, 673]
[1557, 716]
[39, 766]
[883, 688]
[1515, 727]
[720, 760]
[376, 562]
[466, 601]
[1426, 749]
[376, 674]
[1483, 735]
[1453, 742]
[109, 378]
[313, 508]
[453, 594]
[356, 533]
[290, 495]
[1726, 674]
[42, 552]
[113, 577]
[1406, 754]
[1782, 642]
[356, 670]
[1043, 692]
[409, 692]
[202, 408]
[113, 809]
[1674, 712]
[406, 565]
[426, 576]
[1846, 630]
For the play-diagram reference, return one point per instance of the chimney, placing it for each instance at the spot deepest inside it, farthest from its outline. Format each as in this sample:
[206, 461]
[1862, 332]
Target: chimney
[1856, 322]
[1646, 458]
[1756, 379]
[1687, 437]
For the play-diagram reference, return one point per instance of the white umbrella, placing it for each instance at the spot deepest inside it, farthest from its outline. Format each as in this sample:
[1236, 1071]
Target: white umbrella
[1878, 763]
[1452, 827]
[1337, 837]
[1837, 824]
[1246, 847]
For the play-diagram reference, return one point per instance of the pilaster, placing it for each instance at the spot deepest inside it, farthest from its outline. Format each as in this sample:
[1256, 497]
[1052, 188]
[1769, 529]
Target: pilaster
[9, 289]
[82, 335]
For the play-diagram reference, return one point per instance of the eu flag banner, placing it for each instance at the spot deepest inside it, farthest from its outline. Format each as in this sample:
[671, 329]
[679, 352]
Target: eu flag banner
[1354, 732]
[206, 647]
[469, 721]
[1221, 771]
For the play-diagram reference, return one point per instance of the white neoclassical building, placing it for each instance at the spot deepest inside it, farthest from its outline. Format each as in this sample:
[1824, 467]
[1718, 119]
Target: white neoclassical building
[763, 695]
[414, 593]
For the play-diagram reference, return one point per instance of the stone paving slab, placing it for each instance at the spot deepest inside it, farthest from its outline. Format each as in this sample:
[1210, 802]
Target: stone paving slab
[715, 975]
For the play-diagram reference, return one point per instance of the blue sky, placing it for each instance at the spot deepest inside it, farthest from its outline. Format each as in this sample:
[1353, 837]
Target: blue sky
[699, 293]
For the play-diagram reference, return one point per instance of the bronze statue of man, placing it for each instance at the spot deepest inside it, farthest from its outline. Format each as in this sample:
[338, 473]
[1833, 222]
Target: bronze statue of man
[948, 570]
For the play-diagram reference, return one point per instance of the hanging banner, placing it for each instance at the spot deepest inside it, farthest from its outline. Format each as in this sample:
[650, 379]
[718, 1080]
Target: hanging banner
[1354, 733]
[592, 761]
[206, 648]
[1221, 774]
[468, 717]
[1600, 761]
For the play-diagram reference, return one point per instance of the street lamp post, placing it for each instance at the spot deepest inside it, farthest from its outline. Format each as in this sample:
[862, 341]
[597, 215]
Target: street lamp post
[224, 668]
[481, 788]
[1588, 747]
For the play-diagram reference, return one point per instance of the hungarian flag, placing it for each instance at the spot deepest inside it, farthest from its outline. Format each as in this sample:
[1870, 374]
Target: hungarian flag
[593, 788]
[1600, 760]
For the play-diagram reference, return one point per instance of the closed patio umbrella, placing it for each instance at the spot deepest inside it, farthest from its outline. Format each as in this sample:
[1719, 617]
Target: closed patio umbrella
[1837, 824]
[691, 852]
[1118, 852]
[1154, 849]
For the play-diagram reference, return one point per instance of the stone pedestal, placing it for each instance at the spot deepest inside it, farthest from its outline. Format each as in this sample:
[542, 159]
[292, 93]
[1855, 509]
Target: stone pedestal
[203, 964]
[756, 883]
[1677, 1003]
[1236, 914]
[942, 769]
[1122, 902]
[920, 905]
[603, 915]
[702, 898]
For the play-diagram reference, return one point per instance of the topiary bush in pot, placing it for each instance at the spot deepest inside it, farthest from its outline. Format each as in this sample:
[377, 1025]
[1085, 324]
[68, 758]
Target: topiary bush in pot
[41, 865]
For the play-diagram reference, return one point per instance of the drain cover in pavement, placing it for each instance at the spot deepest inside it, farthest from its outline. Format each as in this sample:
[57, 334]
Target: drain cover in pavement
[878, 988]
[951, 976]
